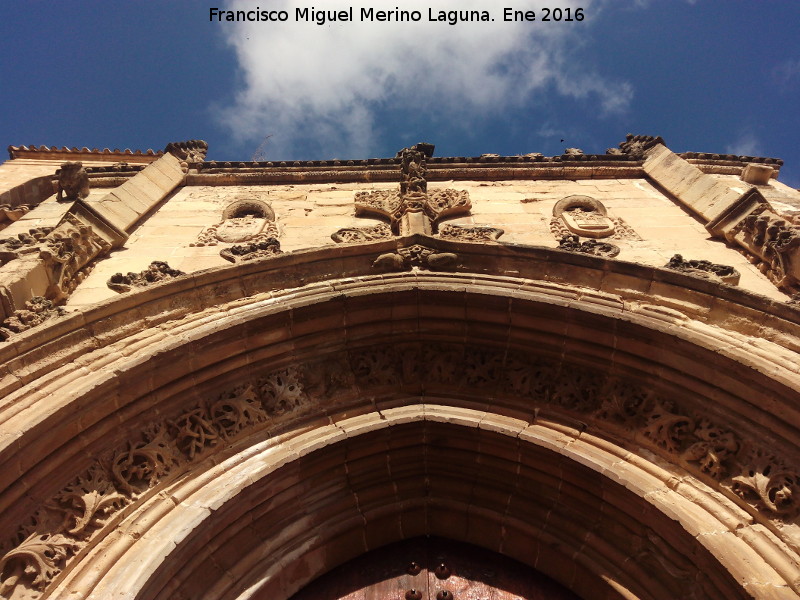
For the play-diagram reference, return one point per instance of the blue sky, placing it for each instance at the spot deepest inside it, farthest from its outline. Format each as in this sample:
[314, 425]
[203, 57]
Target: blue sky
[710, 76]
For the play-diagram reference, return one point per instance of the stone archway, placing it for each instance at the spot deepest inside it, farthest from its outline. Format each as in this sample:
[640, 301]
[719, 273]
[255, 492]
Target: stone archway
[238, 441]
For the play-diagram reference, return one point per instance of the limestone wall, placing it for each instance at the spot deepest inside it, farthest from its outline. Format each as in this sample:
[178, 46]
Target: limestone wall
[307, 215]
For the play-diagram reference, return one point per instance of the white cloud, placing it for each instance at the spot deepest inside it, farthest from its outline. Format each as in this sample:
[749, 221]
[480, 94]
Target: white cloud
[787, 72]
[325, 88]
[747, 144]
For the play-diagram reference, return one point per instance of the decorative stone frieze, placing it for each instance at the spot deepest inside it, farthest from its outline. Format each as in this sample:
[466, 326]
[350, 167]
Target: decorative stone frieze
[572, 243]
[260, 248]
[37, 310]
[157, 272]
[416, 256]
[478, 233]
[705, 269]
[73, 182]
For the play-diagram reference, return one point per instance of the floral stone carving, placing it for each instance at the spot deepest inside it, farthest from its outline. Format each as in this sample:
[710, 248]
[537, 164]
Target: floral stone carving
[264, 248]
[705, 269]
[37, 310]
[157, 272]
[572, 243]
[68, 253]
[412, 208]
[478, 233]
[776, 243]
[349, 235]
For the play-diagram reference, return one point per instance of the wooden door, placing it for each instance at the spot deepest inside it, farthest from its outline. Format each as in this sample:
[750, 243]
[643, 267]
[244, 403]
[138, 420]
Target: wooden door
[434, 569]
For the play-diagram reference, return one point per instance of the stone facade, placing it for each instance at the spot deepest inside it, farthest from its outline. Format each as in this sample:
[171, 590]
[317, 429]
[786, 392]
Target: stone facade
[223, 380]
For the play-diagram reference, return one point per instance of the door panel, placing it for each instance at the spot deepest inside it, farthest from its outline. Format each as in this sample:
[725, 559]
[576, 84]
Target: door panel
[434, 569]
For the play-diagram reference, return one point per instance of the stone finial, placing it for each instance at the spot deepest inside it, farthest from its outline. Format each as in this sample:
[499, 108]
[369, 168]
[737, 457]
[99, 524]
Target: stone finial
[73, 181]
[413, 168]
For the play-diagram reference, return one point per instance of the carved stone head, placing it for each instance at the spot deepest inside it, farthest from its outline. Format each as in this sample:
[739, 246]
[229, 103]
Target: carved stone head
[73, 181]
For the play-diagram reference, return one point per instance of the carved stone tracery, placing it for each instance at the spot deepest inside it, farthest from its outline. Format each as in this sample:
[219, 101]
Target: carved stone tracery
[68, 253]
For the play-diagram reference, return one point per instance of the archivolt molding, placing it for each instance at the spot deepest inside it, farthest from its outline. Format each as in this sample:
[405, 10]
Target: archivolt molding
[490, 370]
[630, 414]
[219, 485]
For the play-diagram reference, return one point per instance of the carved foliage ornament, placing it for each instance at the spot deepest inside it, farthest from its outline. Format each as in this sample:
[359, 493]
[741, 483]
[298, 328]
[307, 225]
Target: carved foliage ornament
[157, 272]
[262, 248]
[776, 242]
[68, 253]
[478, 233]
[572, 243]
[37, 310]
[412, 208]
[705, 269]
[349, 235]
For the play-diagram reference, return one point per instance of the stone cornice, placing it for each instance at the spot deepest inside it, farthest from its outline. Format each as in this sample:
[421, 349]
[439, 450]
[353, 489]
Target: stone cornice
[80, 154]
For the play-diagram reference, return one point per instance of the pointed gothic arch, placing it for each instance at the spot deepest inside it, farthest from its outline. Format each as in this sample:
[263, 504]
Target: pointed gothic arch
[227, 431]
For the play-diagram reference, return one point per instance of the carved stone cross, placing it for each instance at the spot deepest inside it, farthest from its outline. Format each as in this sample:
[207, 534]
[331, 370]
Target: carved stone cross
[411, 209]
